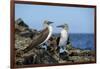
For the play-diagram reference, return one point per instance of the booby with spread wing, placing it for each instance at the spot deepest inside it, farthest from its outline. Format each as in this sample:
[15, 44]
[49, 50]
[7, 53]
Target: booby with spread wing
[42, 37]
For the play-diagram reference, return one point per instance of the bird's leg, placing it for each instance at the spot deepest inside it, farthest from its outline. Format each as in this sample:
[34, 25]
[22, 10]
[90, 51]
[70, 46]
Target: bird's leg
[60, 51]
[44, 46]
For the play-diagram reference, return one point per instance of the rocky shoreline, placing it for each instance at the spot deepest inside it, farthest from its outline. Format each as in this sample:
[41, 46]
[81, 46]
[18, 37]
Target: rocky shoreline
[23, 38]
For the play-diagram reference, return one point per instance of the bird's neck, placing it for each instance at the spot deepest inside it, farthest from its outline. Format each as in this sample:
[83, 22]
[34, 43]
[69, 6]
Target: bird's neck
[63, 32]
[45, 26]
[50, 28]
[66, 28]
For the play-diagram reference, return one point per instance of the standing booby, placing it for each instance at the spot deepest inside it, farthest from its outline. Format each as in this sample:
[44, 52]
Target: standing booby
[63, 38]
[42, 37]
[50, 29]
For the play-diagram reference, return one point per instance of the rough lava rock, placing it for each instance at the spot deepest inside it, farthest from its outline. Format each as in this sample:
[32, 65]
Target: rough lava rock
[23, 38]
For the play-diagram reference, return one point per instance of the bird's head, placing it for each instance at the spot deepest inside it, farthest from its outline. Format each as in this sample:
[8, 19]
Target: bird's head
[64, 26]
[47, 23]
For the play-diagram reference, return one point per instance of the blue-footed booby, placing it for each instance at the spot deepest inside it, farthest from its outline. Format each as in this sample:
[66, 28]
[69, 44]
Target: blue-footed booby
[63, 38]
[47, 24]
[42, 37]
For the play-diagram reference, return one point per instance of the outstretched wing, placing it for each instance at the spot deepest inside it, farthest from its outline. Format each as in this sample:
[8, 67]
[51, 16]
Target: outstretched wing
[38, 39]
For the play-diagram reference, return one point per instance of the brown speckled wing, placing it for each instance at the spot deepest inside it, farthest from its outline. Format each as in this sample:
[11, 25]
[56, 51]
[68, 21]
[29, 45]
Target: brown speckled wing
[38, 39]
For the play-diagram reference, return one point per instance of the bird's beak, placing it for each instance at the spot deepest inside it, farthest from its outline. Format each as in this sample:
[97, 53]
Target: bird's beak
[49, 22]
[60, 26]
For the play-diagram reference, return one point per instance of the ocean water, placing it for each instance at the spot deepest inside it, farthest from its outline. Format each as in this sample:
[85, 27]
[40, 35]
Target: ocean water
[82, 41]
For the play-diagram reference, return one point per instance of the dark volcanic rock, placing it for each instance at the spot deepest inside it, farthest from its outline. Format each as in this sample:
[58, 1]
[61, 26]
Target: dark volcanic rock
[21, 22]
[23, 30]
[64, 55]
[38, 55]
[27, 34]
[23, 35]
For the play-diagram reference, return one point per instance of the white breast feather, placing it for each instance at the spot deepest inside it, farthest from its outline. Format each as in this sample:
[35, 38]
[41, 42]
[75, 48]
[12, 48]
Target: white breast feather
[63, 38]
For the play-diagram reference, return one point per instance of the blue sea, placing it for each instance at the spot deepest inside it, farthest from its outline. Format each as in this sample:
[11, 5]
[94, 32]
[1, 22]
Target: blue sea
[82, 41]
